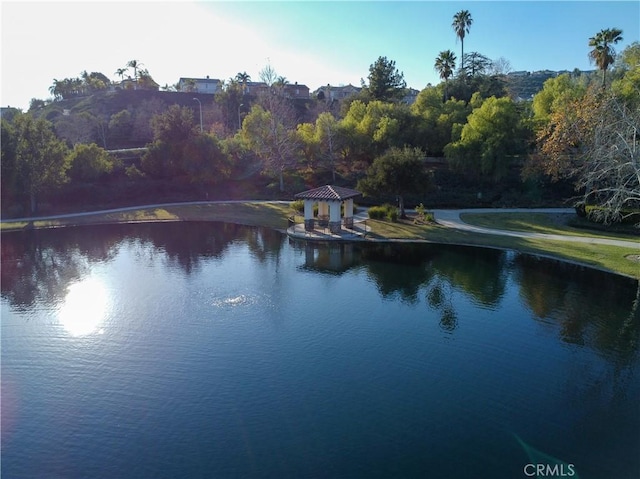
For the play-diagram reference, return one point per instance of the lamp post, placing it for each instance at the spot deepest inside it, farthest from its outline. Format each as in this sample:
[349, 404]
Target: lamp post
[199, 103]
[239, 122]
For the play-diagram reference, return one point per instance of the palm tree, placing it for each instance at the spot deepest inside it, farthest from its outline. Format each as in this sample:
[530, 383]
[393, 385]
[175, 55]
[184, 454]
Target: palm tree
[135, 64]
[445, 65]
[603, 53]
[120, 72]
[243, 78]
[461, 24]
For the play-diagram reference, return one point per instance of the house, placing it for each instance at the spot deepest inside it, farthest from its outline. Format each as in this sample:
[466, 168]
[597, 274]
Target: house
[296, 91]
[199, 85]
[254, 87]
[331, 93]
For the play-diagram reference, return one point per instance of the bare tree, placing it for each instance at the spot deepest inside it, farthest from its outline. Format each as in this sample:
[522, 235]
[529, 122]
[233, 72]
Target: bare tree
[610, 170]
[268, 75]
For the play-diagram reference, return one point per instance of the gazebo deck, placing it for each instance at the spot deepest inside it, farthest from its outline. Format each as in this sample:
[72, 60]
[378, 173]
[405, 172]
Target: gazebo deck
[358, 231]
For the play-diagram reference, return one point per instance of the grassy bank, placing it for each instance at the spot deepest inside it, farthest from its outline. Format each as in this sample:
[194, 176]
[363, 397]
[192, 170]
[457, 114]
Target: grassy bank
[274, 215]
[562, 223]
[610, 258]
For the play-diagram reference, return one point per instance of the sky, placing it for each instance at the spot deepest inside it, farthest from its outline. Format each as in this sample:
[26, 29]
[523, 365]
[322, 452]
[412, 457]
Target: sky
[312, 43]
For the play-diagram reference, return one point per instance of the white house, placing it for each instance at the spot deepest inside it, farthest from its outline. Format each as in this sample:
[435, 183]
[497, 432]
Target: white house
[200, 85]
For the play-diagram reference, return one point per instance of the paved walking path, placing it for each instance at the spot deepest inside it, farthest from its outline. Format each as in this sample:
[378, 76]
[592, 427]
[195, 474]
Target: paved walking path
[448, 218]
[451, 219]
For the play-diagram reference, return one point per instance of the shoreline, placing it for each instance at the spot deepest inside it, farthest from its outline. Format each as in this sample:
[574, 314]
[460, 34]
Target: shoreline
[488, 239]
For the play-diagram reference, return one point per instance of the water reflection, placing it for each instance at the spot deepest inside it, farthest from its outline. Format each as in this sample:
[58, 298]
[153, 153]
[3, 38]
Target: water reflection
[84, 308]
[214, 332]
[589, 307]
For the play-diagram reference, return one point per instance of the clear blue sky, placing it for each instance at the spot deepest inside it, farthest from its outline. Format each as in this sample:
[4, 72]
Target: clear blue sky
[313, 43]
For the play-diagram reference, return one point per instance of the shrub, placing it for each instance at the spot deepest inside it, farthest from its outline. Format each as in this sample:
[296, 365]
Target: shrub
[385, 212]
[297, 206]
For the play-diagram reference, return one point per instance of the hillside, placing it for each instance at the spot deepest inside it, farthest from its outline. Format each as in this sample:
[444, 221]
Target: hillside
[121, 119]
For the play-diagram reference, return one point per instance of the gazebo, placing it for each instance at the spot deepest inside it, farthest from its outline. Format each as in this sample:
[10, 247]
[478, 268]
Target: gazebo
[329, 199]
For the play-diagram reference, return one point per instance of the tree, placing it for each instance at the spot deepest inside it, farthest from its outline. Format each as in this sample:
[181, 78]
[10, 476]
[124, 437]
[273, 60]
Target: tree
[175, 125]
[603, 54]
[445, 66]
[499, 67]
[386, 83]
[462, 22]
[135, 64]
[628, 64]
[399, 171]
[120, 72]
[270, 134]
[477, 63]
[145, 80]
[243, 78]
[268, 75]
[230, 100]
[609, 170]
[40, 163]
[555, 95]
[594, 142]
[89, 163]
[491, 136]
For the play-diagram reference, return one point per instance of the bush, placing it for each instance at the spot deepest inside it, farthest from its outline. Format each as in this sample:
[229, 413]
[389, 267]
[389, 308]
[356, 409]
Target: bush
[297, 206]
[385, 212]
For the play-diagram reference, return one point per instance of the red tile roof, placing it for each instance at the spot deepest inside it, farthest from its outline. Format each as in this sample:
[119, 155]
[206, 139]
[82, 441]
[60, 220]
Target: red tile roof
[328, 192]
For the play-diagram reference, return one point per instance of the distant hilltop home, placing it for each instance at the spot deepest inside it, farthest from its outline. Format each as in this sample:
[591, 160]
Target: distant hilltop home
[331, 93]
[290, 90]
[295, 90]
[200, 85]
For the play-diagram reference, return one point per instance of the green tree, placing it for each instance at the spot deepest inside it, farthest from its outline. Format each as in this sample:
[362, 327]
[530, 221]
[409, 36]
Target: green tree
[603, 54]
[230, 100]
[120, 126]
[399, 172]
[489, 139]
[171, 132]
[435, 119]
[175, 125]
[386, 83]
[445, 66]
[476, 63]
[627, 86]
[41, 162]
[204, 161]
[271, 135]
[462, 22]
[89, 163]
[556, 94]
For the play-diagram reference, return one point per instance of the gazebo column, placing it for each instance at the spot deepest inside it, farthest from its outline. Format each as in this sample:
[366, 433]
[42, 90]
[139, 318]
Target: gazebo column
[323, 214]
[348, 213]
[335, 224]
[309, 223]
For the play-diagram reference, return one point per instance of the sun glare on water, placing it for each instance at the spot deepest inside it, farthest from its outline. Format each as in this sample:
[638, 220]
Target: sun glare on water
[84, 307]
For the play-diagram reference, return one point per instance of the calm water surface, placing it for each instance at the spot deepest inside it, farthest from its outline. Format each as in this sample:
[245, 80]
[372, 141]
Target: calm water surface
[214, 350]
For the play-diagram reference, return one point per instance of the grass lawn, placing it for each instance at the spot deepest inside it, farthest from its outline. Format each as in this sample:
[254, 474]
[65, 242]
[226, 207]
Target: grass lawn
[274, 215]
[539, 223]
[618, 259]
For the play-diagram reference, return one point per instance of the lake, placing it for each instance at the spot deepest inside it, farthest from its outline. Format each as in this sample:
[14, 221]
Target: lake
[217, 350]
